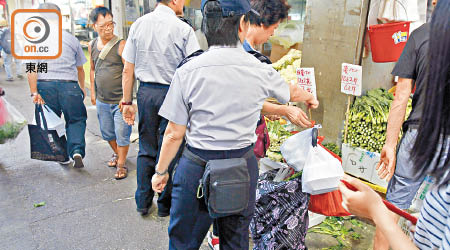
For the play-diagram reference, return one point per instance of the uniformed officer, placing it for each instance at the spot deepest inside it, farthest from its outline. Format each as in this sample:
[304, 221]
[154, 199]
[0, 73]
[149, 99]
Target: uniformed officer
[214, 101]
[157, 43]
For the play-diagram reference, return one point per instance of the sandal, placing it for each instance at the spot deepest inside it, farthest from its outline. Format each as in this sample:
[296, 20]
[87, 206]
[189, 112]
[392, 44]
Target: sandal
[112, 163]
[121, 173]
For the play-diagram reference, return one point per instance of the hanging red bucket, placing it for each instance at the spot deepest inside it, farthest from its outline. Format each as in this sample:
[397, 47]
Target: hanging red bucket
[388, 40]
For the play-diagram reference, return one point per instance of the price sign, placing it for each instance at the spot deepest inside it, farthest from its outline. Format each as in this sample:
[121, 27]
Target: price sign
[351, 79]
[307, 80]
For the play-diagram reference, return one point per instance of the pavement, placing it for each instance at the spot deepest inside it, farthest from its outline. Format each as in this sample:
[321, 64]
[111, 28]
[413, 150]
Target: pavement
[84, 208]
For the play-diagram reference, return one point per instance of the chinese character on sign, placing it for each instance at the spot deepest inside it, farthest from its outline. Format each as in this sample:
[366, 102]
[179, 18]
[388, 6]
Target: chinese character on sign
[351, 82]
[306, 80]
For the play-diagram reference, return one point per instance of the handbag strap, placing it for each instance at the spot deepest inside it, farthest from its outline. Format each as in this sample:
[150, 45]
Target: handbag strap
[201, 162]
[105, 51]
[38, 112]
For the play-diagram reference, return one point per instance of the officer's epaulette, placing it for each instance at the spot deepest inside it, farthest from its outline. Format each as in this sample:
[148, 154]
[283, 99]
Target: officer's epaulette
[262, 58]
[190, 57]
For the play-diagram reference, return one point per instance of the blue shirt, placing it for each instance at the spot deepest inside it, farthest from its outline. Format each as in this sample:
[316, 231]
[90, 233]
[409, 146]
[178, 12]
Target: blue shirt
[65, 67]
[247, 46]
[157, 43]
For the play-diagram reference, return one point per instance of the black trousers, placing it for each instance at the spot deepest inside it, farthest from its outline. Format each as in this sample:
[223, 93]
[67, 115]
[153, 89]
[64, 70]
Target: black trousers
[150, 97]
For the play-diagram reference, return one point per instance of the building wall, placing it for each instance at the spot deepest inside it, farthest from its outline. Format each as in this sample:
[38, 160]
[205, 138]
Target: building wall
[333, 35]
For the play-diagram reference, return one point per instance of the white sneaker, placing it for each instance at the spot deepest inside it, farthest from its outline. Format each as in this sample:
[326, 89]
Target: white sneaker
[213, 241]
[78, 161]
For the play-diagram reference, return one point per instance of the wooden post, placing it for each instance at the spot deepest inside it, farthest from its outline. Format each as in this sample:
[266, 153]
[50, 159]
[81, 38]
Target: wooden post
[346, 118]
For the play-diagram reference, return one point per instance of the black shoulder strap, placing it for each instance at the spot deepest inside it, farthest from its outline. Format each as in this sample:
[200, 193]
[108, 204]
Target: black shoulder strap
[190, 57]
[260, 57]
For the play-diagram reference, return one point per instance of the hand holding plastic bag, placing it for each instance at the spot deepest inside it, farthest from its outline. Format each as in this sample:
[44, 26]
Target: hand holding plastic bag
[11, 121]
[54, 122]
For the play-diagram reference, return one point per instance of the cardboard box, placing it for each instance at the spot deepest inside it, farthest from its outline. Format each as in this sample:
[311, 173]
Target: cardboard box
[362, 163]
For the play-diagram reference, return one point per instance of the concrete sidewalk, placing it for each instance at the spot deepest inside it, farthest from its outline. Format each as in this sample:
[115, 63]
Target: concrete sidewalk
[85, 209]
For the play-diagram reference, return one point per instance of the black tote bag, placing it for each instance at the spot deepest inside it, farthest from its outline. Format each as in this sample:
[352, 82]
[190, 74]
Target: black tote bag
[46, 145]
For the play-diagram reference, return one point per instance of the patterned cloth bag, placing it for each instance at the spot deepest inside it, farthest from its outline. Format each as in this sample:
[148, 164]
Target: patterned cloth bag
[281, 218]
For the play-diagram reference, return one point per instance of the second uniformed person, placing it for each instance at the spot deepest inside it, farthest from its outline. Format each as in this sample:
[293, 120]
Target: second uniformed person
[157, 43]
[214, 101]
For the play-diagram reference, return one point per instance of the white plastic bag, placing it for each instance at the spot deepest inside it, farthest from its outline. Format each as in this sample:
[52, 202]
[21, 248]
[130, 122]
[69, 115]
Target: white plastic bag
[54, 122]
[322, 172]
[266, 164]
[295, 149]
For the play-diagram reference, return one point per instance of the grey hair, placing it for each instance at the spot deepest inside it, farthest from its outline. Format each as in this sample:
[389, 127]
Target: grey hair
[49, 6]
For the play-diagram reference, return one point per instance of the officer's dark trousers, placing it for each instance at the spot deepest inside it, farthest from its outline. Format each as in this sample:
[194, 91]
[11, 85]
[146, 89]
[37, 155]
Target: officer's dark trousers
[150, 97]
[189, 217]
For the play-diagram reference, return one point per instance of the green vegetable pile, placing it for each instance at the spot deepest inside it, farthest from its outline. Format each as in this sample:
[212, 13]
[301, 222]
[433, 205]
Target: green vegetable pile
[368, 120]
[339, 229]
[277, 134]
[333, 148]
[10, 130]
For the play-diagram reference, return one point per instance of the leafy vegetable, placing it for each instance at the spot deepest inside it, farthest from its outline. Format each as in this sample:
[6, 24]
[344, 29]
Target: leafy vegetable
[288, 64]
[335, 226]
[40, 204]
[10, 130]
[277, 134]
[333, 148]
[368, 120]
[296, 175]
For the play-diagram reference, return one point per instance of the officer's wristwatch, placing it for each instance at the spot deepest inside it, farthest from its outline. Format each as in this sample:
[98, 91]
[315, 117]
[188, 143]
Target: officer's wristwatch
[163, 173]
[34, 94]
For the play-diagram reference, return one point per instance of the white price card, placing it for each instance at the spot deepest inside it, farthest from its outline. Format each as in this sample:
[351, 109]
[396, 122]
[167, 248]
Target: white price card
[306, 80]
[351, 79]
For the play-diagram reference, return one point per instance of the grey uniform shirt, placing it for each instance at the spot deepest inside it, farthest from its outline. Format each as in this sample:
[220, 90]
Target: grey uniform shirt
[157, 43]
[219, 96]
[65, 66]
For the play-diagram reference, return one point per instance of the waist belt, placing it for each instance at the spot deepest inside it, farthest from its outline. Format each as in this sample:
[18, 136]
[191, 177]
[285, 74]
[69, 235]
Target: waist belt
[201, 162]
[155, 84]
[48, 80]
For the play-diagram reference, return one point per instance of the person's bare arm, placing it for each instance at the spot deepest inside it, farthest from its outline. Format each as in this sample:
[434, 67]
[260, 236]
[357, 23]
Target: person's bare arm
[128, 111]
[294, 114]
[32, 81]
[92, 75]
[367, 203]
[120, 50]
[81, 78]
[386, 166]
[173, 137]
[300, 95]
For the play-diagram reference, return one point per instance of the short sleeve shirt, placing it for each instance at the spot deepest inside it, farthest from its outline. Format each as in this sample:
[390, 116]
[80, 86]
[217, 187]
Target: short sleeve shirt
[157, 43]
[433, 226]
[65, 67]
[219, 95]
[413, 64]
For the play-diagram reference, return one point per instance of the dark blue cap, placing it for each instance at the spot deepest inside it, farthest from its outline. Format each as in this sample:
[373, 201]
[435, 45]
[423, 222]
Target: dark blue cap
[233, 7]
